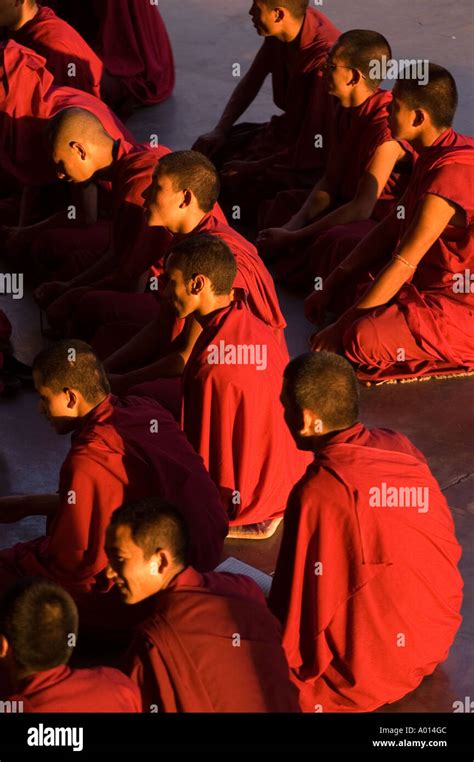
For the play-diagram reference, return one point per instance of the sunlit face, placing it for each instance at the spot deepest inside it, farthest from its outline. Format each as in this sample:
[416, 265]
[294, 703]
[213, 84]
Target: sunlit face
[59, 409]
[135, 576]
[163, 205]
[180, 293]
[401, 119]
[72, 163]
[263, 19]
[10, 13]
[337, 74]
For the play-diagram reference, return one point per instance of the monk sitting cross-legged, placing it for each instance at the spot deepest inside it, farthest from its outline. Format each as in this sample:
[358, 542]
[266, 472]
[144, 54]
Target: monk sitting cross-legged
[182, 199]
[367, 170]
[289, 151]
[120, 449]
[38, 632]
[210, 643]
[231, 412]
[415, 318]
[366, 585]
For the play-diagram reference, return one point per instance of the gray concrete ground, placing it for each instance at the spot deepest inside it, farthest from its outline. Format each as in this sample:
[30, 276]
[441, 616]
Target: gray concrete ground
[208, 37]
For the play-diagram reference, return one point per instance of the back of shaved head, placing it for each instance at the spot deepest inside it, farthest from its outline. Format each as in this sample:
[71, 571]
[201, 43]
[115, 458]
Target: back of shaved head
[76, 124]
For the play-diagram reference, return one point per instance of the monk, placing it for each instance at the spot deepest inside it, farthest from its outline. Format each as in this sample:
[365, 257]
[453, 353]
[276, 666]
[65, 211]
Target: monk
[28, 99]
[69, 58]
[120, 449]
[38, 632]
[82, 149]
[290, 151]
[415, 319]
[366, 172]
[366, 585]
[133, 43]
[183, 200]
[230, 409]
[210, 643]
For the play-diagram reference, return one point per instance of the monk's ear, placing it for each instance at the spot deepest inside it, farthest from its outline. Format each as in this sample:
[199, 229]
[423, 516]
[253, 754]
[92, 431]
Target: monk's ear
[78, 149]
[197, 284]
[71, 398]
[187, 199]
[312, 424]
[279, 14]
[420, 118]
[4, 647]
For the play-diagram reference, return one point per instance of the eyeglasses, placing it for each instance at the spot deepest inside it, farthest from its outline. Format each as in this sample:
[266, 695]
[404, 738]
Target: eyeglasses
[328, 65]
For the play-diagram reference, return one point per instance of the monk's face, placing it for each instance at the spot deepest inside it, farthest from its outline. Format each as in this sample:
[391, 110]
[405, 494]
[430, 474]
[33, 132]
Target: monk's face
[61, 410]
[264, 20]
[338, 75]
[163, 205]
[403, 119]
[73, 162]
[10, 12]
[135, 576]
[183, 295]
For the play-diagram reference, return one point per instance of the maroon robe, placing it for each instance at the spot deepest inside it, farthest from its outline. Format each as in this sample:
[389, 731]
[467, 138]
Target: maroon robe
[125, 449]
[299, 91]
[357, 133]
[62, 689]
[234, 419]
[69, 58]
[368, 592]
[431, 316]
[211, 645]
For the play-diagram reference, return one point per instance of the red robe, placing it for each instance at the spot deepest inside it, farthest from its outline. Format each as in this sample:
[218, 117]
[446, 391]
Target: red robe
[299, 91]
[131, 38]
[369, 597]
[357, 133]
[62, 689]
[136, 246]
[431, 316]
[116, 456]
[233, 417]
[120, 316]
[186, 657]
[63, 48]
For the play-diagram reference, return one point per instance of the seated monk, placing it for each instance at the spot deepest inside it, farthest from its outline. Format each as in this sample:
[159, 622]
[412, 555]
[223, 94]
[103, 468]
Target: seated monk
[39, 220]
[210, 643]
[182, 199]
[363, 175]
[38, 632]
[366, 584]
[120, 449]
[416, 317]
[69, 58]
[133, 43]
[257, 160]
[230, 411]
[82, 150]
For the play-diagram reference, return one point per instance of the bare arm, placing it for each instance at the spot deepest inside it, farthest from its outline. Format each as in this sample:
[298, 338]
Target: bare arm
[17, 507]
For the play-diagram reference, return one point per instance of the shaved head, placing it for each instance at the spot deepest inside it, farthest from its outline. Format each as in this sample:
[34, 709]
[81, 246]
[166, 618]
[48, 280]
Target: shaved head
[439, 96]
[297, 8]
[76, 124]
[358, 48]
[72, 364]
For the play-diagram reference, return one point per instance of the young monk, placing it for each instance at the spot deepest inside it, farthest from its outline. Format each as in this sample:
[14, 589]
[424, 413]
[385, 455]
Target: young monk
[182, 199]
[259, 159]
[38, 632]
[82, 149]
[416, 317]
[366, 585]
[69, 58]
[230, 411]
[210, 643]
[28, 99]
[363, 176]
[133, 43]
[120, 449]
